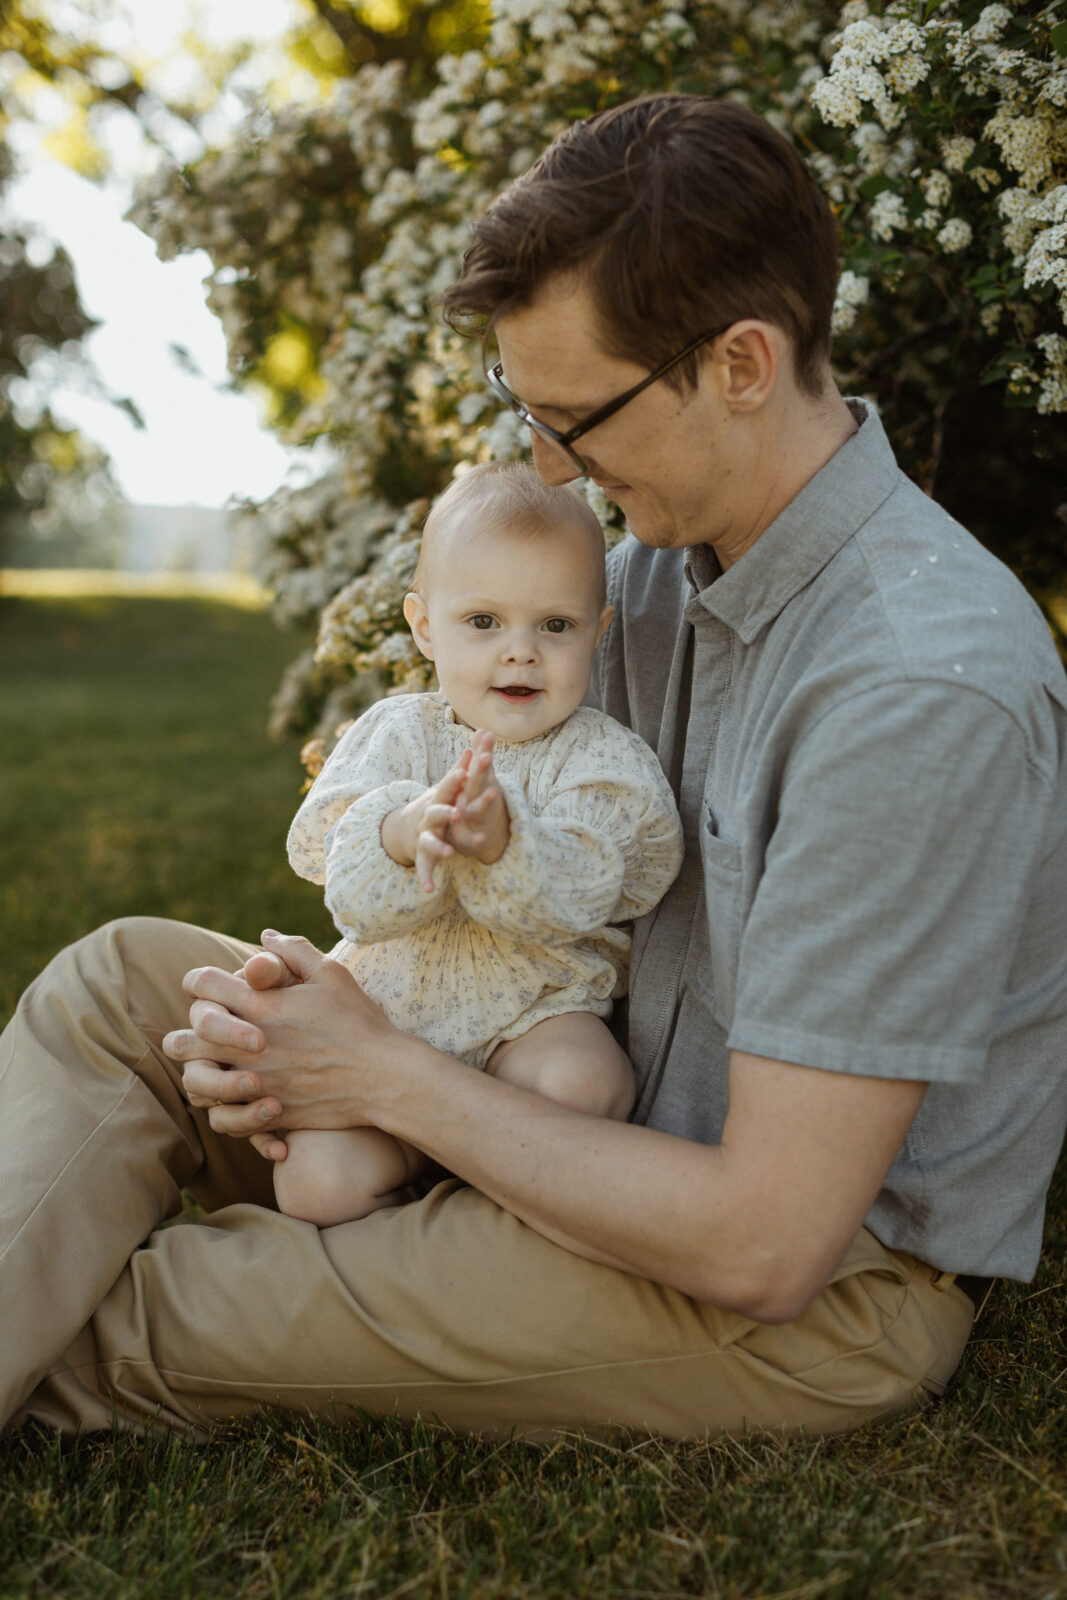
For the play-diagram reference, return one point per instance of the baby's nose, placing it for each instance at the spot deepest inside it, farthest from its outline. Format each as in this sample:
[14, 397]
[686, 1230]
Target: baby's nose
[521, 645]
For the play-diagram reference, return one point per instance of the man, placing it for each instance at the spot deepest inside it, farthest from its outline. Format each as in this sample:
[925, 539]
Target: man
[847, 1018]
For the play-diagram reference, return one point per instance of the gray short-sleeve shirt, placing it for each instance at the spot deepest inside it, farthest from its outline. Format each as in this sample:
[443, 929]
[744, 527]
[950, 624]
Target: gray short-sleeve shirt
[865, 722]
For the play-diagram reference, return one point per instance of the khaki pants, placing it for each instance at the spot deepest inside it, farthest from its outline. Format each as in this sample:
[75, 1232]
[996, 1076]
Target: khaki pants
[447, 1307]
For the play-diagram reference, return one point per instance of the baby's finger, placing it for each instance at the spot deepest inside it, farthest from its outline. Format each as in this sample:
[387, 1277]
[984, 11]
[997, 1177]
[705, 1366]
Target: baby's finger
[431, 845]
[480, 804]
[429, 850]
[481, 771]
[438, 819]
[454, 779]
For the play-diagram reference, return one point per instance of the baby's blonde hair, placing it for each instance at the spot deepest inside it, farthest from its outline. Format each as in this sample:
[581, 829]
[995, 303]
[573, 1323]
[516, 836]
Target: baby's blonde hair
[512, 496]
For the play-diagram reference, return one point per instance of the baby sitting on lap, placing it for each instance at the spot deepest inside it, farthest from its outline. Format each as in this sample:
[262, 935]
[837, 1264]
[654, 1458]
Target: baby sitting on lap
[484, 847]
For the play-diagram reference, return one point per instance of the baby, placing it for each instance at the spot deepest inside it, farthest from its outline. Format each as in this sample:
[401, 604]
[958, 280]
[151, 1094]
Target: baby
[484, 846]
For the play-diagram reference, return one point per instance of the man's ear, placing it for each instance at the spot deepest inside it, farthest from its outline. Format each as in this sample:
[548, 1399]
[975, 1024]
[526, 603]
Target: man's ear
[417, 620]
[751, 358]
[605, 619]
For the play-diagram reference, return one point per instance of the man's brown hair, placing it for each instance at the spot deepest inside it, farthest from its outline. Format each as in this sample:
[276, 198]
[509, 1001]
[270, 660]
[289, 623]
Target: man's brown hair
[686, 213]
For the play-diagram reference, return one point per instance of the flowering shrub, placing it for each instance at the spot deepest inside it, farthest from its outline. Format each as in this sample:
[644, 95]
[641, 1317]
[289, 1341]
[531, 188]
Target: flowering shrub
[938, 134]
[952, 190]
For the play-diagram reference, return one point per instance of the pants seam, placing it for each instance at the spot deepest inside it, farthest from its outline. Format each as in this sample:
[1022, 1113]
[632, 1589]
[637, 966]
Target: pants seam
[74, 1156]
[536, 1375]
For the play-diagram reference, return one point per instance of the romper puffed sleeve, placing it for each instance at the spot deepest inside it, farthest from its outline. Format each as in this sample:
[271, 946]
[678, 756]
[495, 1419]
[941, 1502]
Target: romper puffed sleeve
[380, 763]
[603, 848]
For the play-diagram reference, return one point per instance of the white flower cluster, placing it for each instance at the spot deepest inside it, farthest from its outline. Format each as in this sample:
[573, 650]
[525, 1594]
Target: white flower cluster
[307, 542]
[943, 95]
[1053, 395]
[875, 61]
[888, 213]
[955, 235]
[956, 151]
[1046, 258]
[991, 24]
[852, 292]
[364, 614]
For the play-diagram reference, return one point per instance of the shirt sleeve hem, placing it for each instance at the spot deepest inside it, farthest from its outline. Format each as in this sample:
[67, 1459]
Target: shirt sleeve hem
[859, 1059]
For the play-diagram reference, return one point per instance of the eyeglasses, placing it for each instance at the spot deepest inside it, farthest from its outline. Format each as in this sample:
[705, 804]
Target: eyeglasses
[564, 441]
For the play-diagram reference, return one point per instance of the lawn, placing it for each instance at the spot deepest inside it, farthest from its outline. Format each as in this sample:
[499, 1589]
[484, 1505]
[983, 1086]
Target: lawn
[136, 776]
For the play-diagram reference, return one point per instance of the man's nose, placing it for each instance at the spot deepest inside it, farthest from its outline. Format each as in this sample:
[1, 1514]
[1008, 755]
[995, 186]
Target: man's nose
[553, 467]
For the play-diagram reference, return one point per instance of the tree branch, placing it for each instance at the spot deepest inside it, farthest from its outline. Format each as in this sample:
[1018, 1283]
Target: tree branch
[363, 44]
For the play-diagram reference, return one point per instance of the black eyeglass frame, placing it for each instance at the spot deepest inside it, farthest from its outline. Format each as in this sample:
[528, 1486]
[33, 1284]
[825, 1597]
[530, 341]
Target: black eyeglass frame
[564, 441]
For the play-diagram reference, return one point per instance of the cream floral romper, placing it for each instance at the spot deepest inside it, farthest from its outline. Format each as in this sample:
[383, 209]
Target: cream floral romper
[595, 842]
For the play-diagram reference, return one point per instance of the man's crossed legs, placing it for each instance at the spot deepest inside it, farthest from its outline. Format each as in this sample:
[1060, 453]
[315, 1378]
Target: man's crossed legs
[448, 1306]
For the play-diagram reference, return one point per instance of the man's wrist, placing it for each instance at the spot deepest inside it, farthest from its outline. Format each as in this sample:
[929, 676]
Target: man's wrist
[410, 1073]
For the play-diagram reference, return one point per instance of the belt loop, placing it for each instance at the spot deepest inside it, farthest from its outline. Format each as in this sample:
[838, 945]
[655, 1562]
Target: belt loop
[976, 1289]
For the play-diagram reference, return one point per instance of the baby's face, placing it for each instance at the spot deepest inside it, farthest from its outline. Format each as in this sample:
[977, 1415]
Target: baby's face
[511, 620]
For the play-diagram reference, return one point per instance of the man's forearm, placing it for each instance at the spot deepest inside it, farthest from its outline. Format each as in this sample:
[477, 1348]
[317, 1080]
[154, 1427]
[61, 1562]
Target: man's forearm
[626, 1196]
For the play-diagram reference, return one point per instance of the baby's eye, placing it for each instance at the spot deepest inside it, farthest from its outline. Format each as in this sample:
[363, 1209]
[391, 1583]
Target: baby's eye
[557, 625]
[483, 620]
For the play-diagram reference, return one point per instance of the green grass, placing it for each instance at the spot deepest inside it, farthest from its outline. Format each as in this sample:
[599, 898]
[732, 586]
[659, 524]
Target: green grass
[137, 777]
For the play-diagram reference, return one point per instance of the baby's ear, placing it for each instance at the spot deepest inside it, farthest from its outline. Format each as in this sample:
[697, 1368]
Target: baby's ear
[417, 620]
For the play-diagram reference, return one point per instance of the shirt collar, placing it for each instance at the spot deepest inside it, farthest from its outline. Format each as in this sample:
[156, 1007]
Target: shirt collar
[814, 526]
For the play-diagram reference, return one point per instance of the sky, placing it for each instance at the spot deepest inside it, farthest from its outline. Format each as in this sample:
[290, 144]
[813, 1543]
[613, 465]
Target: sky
[201, 444]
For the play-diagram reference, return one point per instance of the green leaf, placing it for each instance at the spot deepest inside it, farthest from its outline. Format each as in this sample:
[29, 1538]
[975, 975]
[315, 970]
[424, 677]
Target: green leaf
[1059, 38]
[875, 185]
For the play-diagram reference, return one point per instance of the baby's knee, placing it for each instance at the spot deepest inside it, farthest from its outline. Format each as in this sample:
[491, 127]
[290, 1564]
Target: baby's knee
[601, 1083]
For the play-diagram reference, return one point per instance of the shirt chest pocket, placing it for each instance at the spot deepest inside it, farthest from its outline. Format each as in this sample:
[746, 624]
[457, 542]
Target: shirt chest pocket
[725, 911]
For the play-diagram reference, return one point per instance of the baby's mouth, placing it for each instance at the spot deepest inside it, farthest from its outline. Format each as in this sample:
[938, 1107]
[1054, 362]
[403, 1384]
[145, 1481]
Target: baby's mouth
[517, 691]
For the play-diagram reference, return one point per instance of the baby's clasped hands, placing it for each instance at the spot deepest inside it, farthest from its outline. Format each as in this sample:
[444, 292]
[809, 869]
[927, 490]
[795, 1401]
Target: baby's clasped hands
[464, 814]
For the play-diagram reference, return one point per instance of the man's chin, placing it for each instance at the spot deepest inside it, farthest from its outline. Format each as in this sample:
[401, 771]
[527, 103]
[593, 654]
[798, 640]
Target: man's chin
[657, 535]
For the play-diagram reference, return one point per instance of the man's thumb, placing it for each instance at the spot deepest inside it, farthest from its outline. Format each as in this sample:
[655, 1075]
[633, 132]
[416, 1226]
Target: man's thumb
[298, 953]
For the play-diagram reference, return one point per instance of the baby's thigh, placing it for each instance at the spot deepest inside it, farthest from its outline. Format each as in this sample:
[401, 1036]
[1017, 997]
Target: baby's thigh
[572, 1059]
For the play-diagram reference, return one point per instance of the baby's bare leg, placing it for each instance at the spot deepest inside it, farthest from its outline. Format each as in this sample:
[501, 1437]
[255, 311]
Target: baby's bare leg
[331, 1177]
[572, 1059]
